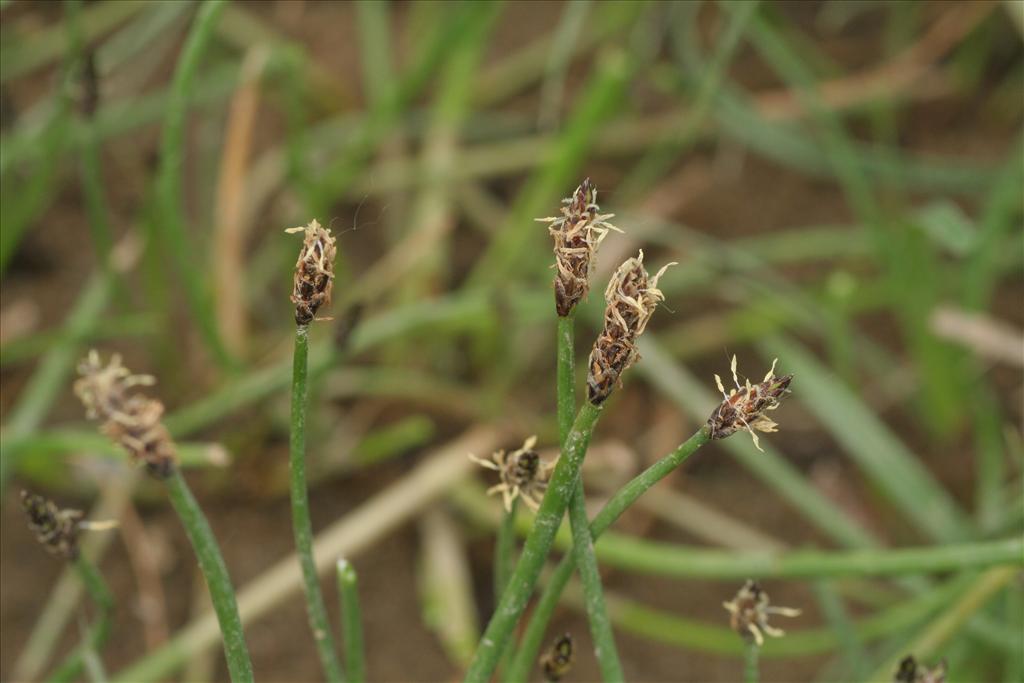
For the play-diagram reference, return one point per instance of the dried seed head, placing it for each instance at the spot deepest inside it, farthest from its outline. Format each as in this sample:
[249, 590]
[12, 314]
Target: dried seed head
[746, 406]
[56, 529]
[523, 474]
[314, 272]
[577, 233]
[631, 296]
[557, 661]
[749, 612]
[912, 672]
[132, 420]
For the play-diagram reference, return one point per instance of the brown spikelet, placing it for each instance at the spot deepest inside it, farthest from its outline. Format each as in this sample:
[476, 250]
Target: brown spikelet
[631, 297]
[314, 272]
[132, 420]
[54, 528]
[577, 234]
[911, 672]
[746, 407]
[557, 661]
[749, 611]
[523, 474]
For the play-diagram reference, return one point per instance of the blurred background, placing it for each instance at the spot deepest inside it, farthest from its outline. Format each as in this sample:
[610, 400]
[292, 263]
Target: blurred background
[840, 182]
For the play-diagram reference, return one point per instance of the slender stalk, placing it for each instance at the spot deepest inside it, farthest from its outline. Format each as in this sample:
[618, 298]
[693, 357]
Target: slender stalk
[222, 593]
[529, 646]
[537, 546]
[98, 633]
[351, 622]
[750, 671]
[301, 523]
[593, 592]
[582, 543]
[171, 222]
[504, 551]
[504, 562]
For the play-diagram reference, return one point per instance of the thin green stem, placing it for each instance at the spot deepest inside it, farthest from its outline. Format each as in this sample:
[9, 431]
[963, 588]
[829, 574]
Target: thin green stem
[626, 496]
[504, 562]
[211, 563]
[750, 670]
[535, 550]
[593, 593]
[670, 560]
[351, 622]
[504, 551]
[301, 523]
[171, 221]
[98, 633]
[582, 543]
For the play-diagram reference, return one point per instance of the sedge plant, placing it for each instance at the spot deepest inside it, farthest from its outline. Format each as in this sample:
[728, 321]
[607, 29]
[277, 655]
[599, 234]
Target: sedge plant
[133, 421]
[631, 296]
[311, 289]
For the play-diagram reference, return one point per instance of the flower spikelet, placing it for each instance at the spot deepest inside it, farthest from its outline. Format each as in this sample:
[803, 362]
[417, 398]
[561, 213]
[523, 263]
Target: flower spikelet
[56, 529]
[577, 233]
[631, 297]
[912, 672]
[749, 610]
[557, 661]
[523, 474]
[314, 272]
[132, 420]
[746, 406]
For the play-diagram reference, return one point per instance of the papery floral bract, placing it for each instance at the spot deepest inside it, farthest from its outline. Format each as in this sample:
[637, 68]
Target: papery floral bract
[523, 474]
[749, 612]
[314, 272]
[746, 406]
[577, 234]
[631, 297]
[132, 420]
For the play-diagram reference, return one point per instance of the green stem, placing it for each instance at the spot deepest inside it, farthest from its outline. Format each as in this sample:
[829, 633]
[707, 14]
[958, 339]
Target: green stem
[504, 551]
[504, 562]
[582, 543]
[626, 496]
[171, 222]
[222, 593]
[674, 561]
[351, 622]
[536, 548]
[750, 672]
[593, 592]
[301, 523]
[97, 589]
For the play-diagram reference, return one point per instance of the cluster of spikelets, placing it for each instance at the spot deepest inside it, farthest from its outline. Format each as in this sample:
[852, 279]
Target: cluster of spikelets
[54, 528]
[57, 529]
[747, 406]
[314, 271]
[631, 297]
[577, 234]
[522, 472]
[131, 419]
[749, 611]
[910, 671]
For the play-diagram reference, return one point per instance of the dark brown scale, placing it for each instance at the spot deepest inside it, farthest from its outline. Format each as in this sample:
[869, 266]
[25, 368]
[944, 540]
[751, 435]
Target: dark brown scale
[524, 469]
